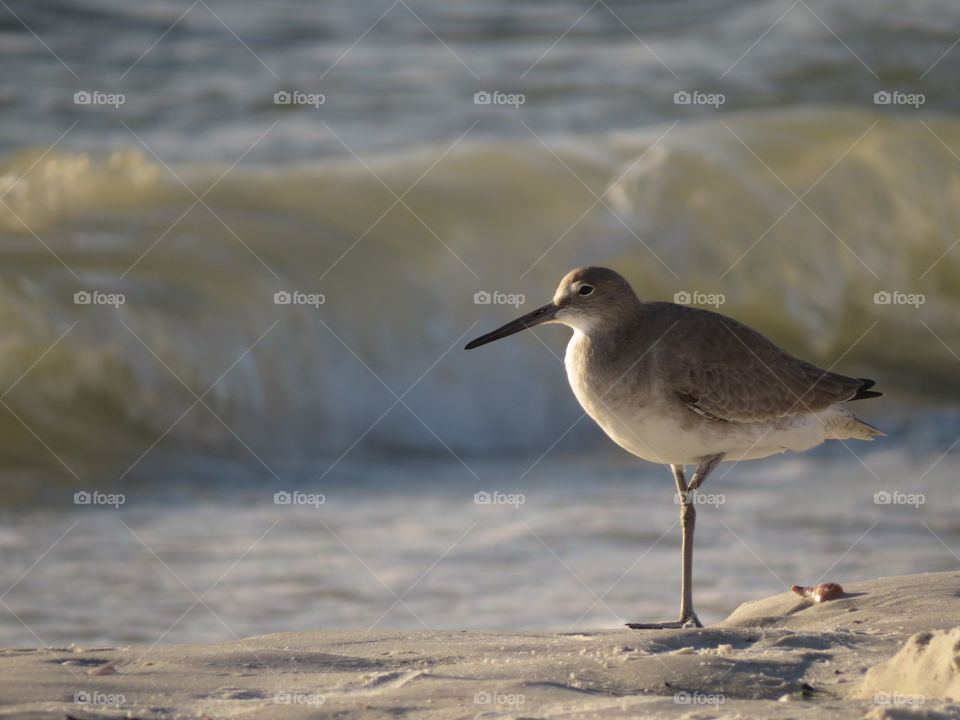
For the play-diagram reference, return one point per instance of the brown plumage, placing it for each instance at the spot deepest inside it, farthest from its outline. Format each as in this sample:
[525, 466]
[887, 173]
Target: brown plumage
[679, 385]
[728, 371]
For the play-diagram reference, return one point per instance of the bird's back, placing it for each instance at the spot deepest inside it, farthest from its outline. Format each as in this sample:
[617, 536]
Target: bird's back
[729, 371]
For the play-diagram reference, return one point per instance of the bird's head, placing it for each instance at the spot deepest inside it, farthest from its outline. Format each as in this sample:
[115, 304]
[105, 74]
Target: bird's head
[587, 298]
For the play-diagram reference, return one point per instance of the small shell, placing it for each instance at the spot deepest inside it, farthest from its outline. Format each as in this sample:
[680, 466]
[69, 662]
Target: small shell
[819, 593]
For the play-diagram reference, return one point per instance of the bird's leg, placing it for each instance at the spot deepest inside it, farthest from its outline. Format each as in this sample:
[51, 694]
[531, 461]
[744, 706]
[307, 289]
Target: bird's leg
[678, 475]
[705, 467]
[688, 520]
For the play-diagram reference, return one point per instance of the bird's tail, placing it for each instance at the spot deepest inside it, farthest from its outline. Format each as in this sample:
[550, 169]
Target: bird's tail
[846, 425]
[864, 392]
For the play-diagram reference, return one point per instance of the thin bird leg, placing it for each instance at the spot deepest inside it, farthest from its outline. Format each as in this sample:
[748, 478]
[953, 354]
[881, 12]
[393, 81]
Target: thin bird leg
[678, 475]
[705, 467]
[681, 480]
[688, 519]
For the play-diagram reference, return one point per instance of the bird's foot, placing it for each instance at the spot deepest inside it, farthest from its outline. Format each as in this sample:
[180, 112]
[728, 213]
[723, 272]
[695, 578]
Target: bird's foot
[688, 622]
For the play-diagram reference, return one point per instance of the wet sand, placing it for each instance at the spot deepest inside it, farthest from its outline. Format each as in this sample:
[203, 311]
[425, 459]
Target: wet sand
[871, 652]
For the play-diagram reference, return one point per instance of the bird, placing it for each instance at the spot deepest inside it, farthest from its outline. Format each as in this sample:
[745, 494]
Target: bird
[685, 386]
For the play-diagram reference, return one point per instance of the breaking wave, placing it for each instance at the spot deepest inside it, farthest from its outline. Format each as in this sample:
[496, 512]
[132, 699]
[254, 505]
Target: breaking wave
[794, 219]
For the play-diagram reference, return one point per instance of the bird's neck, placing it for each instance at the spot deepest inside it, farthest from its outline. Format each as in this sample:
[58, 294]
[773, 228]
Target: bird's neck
[595, 345]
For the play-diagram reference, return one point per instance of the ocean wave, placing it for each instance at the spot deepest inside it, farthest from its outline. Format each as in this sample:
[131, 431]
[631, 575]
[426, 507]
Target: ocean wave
[794, 219]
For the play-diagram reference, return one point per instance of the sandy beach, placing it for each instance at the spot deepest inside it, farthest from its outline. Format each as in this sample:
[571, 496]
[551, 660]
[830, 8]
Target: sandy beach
[878, 651]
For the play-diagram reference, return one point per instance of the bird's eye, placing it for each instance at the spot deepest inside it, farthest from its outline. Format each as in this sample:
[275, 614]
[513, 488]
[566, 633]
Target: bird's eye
[585, 290]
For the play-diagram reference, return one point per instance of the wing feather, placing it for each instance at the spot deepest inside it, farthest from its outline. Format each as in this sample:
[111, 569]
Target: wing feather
[727, 372]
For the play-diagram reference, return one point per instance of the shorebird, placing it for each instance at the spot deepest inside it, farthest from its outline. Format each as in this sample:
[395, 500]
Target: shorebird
[679, 385]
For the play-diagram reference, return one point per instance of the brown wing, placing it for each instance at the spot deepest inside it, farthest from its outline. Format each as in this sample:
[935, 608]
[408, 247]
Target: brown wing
[727, 372]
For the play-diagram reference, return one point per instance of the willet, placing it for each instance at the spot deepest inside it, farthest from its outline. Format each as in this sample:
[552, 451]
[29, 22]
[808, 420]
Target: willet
[678, 385]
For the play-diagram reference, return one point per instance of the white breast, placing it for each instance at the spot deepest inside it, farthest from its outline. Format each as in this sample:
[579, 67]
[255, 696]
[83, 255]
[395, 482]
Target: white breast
[577, 375]
[656, 429]
[629, 424]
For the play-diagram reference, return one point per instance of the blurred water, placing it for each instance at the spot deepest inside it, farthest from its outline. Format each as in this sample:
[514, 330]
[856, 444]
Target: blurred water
[286, 383]
[590, 542]
[199, 79]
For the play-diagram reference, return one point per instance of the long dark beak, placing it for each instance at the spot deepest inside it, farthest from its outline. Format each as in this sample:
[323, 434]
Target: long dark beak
[541, 315]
